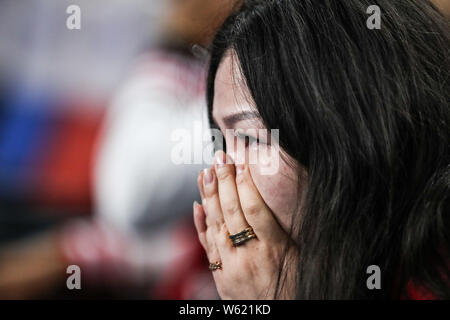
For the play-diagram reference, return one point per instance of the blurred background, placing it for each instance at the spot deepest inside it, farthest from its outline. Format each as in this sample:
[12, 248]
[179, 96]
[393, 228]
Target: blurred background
[86, 123]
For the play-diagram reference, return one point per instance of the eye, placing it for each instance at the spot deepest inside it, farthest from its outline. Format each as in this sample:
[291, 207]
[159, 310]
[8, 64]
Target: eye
[249, 139]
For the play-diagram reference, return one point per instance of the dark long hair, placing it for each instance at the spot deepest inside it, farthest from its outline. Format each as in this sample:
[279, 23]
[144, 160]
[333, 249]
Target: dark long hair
[367, 113]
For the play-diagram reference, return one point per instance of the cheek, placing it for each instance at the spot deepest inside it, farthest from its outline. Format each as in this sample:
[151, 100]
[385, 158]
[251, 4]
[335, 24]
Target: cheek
[279, 191]
[275, 180]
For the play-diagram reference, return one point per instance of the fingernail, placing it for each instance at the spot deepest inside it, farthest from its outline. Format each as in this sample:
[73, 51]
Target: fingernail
[195, 205]
[207, 176]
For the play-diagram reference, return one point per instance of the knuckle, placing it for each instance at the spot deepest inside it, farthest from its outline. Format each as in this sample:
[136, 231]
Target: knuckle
[232, 209]
[252, 209]
[210, 191]
[220, 226]
[241, 179]
[224, 173]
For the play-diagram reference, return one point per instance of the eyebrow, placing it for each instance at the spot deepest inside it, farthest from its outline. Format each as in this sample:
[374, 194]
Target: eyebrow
[231, 120]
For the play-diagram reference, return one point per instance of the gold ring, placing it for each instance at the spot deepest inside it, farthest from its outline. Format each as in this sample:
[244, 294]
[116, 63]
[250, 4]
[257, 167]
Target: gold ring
[242, 237]
[215, 265]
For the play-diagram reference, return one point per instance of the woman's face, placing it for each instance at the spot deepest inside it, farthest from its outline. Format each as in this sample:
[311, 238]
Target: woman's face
[240, 125]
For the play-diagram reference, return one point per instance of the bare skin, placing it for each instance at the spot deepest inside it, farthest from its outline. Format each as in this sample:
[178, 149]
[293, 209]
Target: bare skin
[231, 202]
[236, 195]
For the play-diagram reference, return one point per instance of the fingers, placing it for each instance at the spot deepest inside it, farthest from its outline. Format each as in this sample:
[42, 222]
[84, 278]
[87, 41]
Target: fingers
[213, 252]
[215, 223]
[200, 186]
[231, 203]
[200, 224]
[228, 194]
[206, 238]
[256, 212]
[214, 216]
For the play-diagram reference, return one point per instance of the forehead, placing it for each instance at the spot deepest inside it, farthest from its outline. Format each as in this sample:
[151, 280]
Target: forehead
[231, 94]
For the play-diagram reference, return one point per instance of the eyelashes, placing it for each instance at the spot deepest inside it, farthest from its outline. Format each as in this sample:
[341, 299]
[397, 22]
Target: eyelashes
[248, 139]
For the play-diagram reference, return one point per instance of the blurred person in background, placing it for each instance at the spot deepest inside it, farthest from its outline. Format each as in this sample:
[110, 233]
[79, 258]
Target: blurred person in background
[139, 187]
[54, 86]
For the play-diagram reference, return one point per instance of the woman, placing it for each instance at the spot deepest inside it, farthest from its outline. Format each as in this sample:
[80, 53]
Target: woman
[364, 163]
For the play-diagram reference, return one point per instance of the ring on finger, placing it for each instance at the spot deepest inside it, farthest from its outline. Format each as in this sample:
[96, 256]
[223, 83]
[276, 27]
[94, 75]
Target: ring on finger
[215, 265]
[242, 237]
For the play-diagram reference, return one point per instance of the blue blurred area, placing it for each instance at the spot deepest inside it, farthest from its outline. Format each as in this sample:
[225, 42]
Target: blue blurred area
[26, 128]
